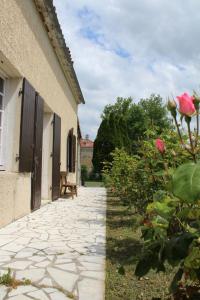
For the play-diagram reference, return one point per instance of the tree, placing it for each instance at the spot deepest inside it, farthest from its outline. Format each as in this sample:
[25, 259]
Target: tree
[124, 124]
[155, 112]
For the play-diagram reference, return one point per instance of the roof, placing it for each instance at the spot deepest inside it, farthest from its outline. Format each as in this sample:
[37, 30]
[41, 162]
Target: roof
[85, 143]
[49, 18]
[79, 130]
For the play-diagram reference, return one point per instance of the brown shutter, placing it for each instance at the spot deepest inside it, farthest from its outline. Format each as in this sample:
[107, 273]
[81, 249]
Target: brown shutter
[27, 128]
[70, 151]
[56, 157]
[67, 148]
[74, 154]
[37, 165]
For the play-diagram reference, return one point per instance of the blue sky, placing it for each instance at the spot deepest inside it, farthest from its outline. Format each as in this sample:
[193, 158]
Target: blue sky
[130, 48]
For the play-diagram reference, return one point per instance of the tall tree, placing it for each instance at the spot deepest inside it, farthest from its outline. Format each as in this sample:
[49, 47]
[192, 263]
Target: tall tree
[124, 124]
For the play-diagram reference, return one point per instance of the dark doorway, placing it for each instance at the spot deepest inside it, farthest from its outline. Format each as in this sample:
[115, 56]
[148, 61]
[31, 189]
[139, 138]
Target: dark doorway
[36, 184]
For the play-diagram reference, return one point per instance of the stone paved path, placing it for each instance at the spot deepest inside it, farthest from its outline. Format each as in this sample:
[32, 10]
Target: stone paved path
[60, 248]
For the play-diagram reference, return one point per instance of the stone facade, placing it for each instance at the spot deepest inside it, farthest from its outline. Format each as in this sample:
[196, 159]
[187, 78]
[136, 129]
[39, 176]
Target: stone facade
[32, 47]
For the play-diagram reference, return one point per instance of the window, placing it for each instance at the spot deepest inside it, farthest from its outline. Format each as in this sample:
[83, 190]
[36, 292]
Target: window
[71, 152]
[2, 93]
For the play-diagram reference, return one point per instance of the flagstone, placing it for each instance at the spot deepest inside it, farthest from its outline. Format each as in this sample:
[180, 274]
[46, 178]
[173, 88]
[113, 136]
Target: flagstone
[92, 266]
[43, 264]
[22, 290]
[20, 297]
[63, 260]
[39, 245]
[4, 259]
[46, 281]
[90, 289]
[59, 296]
[18, 265]
[49, 290]
[93, 274]
[32, 274]
[40, 295]
[67, 267]
[3, 292]
[54, 248]
[13, 247]
[64, 279]
[23, 254]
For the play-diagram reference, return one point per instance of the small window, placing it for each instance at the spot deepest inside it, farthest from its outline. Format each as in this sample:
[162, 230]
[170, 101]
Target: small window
[2, 93]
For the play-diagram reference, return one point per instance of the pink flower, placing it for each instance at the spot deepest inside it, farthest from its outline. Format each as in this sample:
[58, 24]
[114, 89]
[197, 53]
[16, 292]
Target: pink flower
[186, 105]
[160, 145]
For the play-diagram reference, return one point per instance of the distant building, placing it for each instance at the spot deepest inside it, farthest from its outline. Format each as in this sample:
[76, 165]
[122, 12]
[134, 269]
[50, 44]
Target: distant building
[87, 153]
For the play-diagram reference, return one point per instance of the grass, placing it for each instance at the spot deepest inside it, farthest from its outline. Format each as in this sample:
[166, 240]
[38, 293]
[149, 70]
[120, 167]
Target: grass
[8, 280]
[123, 250]
[94, 184]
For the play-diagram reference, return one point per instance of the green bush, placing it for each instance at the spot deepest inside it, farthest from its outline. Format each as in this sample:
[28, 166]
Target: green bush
[84, 174]
[171, 225]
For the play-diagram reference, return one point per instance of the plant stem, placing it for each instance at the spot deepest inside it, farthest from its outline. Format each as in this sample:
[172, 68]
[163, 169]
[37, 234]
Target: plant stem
[197, 133]
[179, 132]
[181, 139]
[191, 142]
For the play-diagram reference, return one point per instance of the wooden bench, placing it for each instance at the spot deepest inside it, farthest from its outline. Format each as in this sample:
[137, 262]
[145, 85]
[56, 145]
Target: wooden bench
[67, 188]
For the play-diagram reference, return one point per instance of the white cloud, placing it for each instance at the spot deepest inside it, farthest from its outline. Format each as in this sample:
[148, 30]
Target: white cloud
[130, 48]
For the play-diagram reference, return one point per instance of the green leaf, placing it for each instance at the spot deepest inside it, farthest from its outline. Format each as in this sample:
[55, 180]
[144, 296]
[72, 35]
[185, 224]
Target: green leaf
[177, 247]
[143, 267]
[121, 270]
[192, 261]
[186, 182]
[175, 281]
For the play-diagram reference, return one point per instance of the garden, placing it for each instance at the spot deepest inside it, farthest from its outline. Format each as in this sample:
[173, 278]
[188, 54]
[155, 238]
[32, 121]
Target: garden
[148, 154]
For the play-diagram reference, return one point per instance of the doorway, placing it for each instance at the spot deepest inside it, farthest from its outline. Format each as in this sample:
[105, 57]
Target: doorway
[47, 157]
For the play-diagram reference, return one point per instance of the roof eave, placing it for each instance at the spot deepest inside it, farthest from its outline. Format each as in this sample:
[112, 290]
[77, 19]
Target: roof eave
[50, 21]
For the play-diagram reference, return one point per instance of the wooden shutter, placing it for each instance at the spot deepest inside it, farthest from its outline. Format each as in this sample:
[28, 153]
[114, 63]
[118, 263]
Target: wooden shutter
[37, 155]
[74, 154]
[56, 157]
[27, 128]
[70, 151]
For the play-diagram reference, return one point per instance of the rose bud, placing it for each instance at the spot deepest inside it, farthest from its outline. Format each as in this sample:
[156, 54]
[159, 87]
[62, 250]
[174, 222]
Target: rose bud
[160, 145]
[186, 105]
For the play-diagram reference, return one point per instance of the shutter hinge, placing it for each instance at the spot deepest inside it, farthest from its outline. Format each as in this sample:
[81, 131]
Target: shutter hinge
[51, 155]
[50, 188]
[20, 92]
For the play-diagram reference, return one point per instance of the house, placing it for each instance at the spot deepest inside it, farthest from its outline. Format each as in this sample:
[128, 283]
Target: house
[39, 98]
[87, 153]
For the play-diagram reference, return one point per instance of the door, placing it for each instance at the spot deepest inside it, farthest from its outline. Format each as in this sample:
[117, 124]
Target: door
[36, 184]
[46, 156]
[56, 157]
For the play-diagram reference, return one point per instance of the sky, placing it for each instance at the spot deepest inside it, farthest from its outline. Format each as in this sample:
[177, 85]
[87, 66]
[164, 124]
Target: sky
[130, 48]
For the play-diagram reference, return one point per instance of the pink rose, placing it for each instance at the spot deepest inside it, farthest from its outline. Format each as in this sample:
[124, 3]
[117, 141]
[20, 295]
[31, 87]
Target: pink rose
[160, 145]
[186, 105]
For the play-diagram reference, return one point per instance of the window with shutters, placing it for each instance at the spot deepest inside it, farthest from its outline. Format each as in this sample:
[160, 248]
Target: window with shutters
[74, 155]
[2, 95]
[71, 152]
